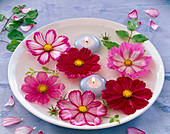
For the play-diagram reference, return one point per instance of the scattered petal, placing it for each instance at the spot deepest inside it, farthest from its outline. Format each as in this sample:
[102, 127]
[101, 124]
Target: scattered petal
[26, 28]
[24, 130]
[133, 14]
[10, 102]
[133, 130]
[16, 18]
[25, 10]
[152, 12]
[40, 132]
[153, 25]
[10, 121]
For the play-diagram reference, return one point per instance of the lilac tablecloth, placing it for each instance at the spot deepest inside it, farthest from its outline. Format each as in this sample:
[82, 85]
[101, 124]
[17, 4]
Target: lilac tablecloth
[156, 120]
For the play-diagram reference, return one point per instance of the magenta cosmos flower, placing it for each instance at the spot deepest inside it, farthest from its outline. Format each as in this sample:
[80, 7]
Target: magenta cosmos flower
[78, 63]
[82, 109]
[41, 88]
[128, 59]
[48, 47]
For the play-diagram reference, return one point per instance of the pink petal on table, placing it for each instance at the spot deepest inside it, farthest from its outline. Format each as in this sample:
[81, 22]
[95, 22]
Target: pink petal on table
[25, 10]
[10, 121]
[133, 130]
[10, 102]
[133, 14]
[26, 28]
[152, 12]
[24, 130]
[139, 23]
[40, 132]
[153, 25]
[16, 18]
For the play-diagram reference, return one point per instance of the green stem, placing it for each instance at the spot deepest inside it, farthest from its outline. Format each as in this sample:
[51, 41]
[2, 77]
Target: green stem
[7, 20]
[4, 41]
[130, 36]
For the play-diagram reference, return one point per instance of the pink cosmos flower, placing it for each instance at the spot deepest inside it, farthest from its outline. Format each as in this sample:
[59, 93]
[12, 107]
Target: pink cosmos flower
[82, 109]
[41, 88]
[48, 47]
[128, 59]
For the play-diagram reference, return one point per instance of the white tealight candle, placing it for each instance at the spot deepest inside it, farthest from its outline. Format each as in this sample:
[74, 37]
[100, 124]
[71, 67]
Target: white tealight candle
[88, 41]
[94, 83]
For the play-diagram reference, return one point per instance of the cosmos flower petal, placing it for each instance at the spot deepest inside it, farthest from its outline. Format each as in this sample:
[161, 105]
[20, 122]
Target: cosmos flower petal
[92, 120]
[66, 114]
[10, 102]
[133, 130]
[59, 86]
[60, 40]
[24, 130]
[79, 120]
[139, 24]
[16, 18]
[42, 77]
[43, 99]
[55, 55]
[133, 14]
[50, 36]
[39, 38]
[36, 52]
[87, 98]
[44, 58]
[152, 12]
[26, 28]
[40, 132]
[64, 104]
[54, 94]
[32, 97]
[31, 81]
[153, 25]
[33, 45]
[51, 80]
[98, 111]
[75, 97]
[24, 10]
[62, 48]
[94, 104]
[10, 121]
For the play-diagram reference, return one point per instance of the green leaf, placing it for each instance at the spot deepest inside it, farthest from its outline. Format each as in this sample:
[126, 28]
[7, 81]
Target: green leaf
[111, 120]
[31, 69]
[55, 74]
[132, 25]
[15, 34]
[28, 21]
[110, 44]
[32, 14]
[118, 121]
[16, 9]
[13, 45]
[15, 24]
[116, 116]
[139, 38]
[2, 17]
[27, 72]
[45, 68]
[122, 34]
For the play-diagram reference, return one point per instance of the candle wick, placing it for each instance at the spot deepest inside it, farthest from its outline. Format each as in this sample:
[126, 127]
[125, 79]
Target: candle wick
[87, 41]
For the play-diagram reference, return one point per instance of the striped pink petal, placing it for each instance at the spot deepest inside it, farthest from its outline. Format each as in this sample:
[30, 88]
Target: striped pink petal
[50, 36]
[153, 25]
[25, 10]
[133, 130]
[24, 130]
[10, 102]
[16, 18]
[152, 12]
[40, 132]
[133, 14]
[10, 121]
[26, 28]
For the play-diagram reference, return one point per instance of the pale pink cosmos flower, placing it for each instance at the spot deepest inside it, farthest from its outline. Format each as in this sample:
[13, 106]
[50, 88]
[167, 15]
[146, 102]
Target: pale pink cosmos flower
[41, 88]
[128, 59]
[81, 109]
[48, 47]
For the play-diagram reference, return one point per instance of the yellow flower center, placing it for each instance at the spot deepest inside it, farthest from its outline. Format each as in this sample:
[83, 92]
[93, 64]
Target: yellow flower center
[82, 109]
[128, 62]
[78, 63]
[127, 93]
[42, 88]
[48, 47]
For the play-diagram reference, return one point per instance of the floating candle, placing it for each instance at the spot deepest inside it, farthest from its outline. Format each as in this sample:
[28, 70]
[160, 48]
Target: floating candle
[88, 41]
[94, 83]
